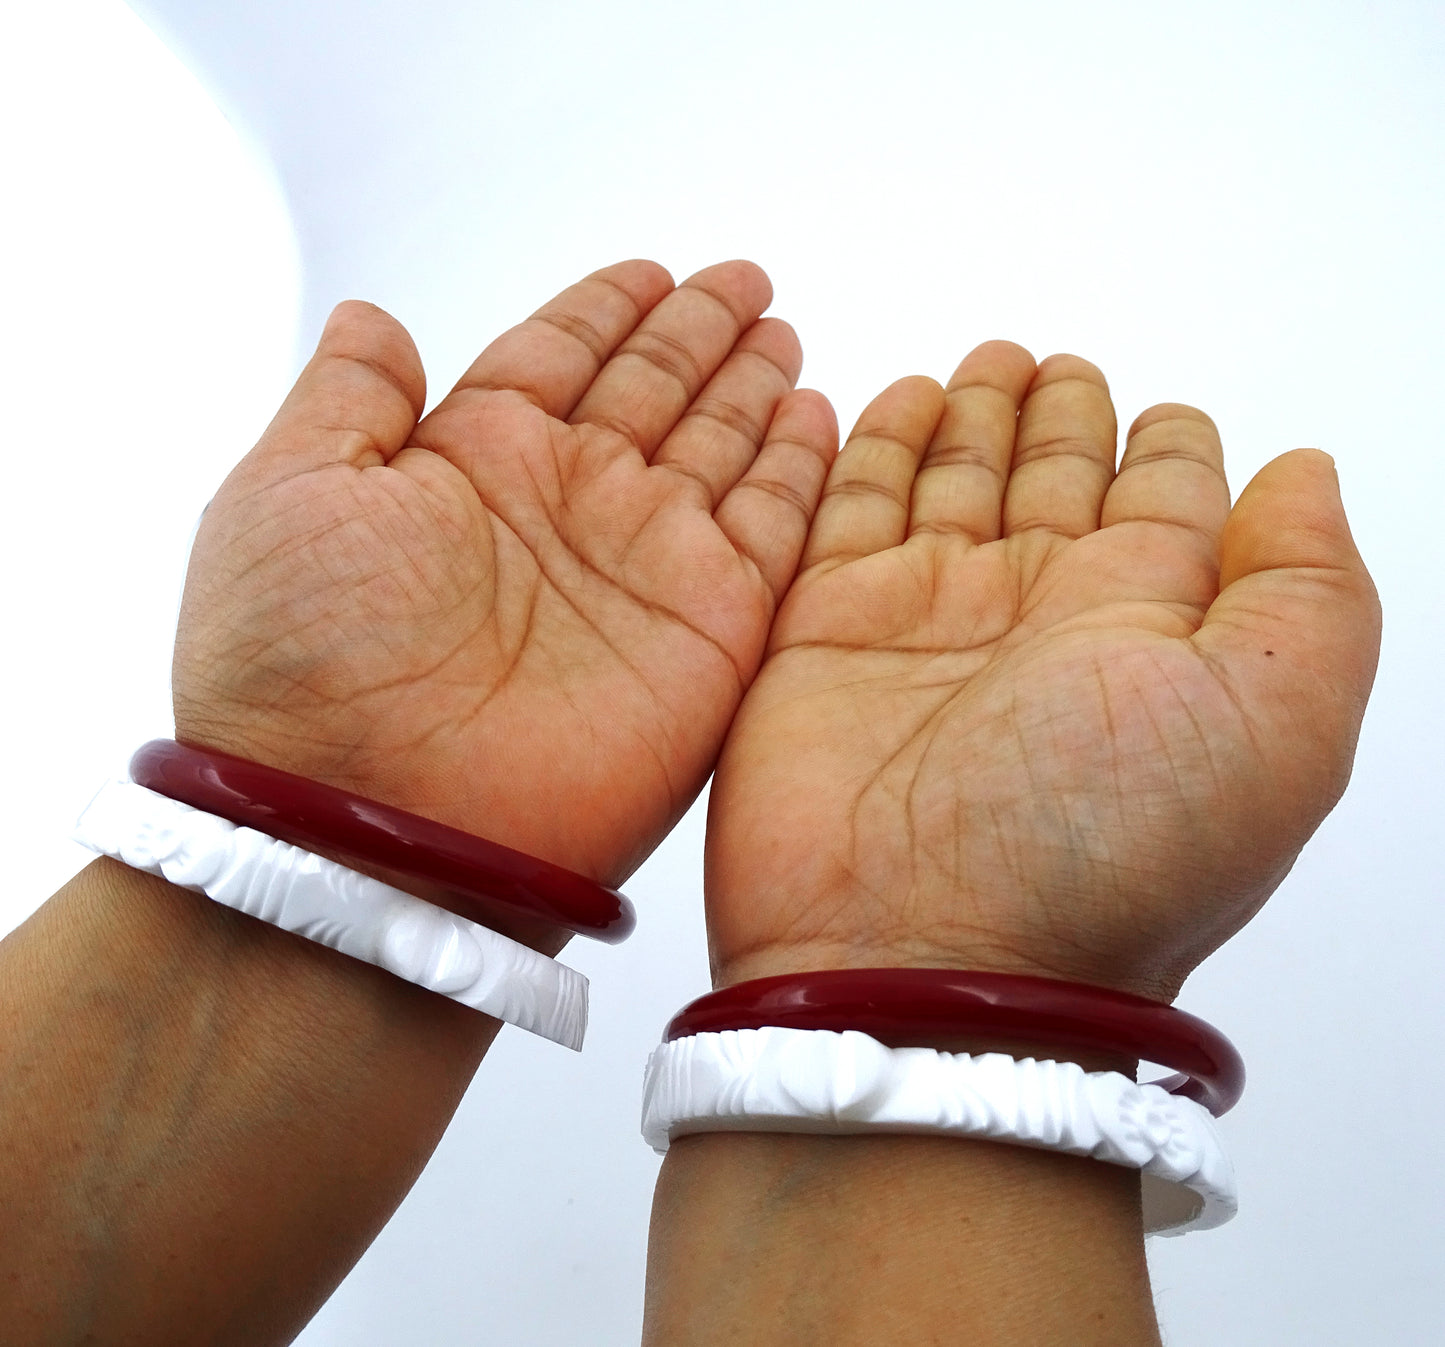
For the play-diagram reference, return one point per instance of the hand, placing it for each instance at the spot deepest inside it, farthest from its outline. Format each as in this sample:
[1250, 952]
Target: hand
[531, 614]
[1022, 712]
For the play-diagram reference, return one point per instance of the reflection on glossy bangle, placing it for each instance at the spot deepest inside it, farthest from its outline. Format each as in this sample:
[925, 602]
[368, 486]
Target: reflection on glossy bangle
[908, 1007]
[473, 876]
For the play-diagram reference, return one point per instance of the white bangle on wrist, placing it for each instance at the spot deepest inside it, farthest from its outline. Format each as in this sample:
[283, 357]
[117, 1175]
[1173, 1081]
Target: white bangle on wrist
[337, 907]
[822, 1082]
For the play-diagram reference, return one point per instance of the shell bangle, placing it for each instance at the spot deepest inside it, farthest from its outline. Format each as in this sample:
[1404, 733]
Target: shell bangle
[846, 1083]
[340, 908]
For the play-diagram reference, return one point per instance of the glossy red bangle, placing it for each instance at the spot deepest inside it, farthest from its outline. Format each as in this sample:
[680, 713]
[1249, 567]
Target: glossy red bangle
[906, 1007]
[472, 876]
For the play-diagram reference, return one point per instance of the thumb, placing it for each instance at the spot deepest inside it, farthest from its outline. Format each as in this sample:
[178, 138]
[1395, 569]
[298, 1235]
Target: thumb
[356, 402]
[1295, 631]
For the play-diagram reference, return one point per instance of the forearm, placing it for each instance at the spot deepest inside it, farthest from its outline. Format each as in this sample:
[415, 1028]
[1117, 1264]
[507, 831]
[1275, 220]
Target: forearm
[871, 1241]
[206, 1120]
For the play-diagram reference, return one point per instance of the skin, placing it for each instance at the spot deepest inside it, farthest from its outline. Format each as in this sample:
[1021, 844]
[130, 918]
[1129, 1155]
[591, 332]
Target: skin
[544, 601]
[1022, 711]
[206, 1122]
[530, 614]
[546, 597]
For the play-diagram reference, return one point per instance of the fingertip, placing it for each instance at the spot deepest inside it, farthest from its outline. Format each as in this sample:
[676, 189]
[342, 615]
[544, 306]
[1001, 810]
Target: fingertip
[1291, 514]
[351, 312]
[1318, 460]
[1060, 367]
[655, 271]
[1302, 473]
[813, 415]
[357, 317]
[820, 400]
[911, 406]
[757, 279]
[1003, 349]
[360, 331]
[742, 285]
[920, 390]
[645, 282]
[1170, 411]
[335, 318]
[776, 341]
[1004, 365]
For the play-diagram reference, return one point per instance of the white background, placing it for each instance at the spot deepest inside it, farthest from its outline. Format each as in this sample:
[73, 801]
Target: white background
[1238, 206]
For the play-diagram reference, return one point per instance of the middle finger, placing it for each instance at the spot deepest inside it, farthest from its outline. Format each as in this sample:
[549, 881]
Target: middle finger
[653, 378]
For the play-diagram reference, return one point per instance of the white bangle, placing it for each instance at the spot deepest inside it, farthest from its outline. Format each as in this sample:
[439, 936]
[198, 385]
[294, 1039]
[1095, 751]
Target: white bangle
[838, 1084]
[340, 908]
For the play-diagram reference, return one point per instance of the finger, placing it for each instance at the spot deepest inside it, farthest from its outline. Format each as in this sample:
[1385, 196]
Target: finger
[356, 401]
[1296, 627]
[1172, 475]
[1064, 452]
[653, 378]
[866, 498]
[721, 433]
[553, 357]
[767, 514]
[960, 486]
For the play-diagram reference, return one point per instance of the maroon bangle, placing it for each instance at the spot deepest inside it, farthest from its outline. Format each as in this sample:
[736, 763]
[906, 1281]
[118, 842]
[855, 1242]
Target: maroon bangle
[903, 1007]
[474, 876]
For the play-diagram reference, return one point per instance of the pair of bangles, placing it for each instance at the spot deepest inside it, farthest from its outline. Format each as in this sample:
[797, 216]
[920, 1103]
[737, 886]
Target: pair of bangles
[838, 1053]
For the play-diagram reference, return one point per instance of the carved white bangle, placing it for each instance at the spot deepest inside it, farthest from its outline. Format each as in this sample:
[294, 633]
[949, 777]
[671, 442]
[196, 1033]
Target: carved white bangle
[340, 908]
[819, 1081]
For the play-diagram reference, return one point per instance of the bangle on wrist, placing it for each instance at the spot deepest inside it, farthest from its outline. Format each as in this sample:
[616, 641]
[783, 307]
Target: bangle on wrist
[472, 876]
[347, 911]
[824, 1082]
[906, 1007]
[847, 1051]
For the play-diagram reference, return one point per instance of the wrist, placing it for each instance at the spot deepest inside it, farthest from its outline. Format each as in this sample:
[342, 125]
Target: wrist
[861, 1240]
[158, 1034]
[257, 736]
[881, 899]
[989, 942]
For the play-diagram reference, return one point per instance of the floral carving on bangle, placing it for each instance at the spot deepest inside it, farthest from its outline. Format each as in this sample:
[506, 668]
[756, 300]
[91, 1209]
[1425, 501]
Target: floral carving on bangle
[1150, 1121]
[845, 1085]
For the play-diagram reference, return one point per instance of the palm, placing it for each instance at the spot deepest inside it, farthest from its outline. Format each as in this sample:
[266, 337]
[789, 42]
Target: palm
[543, 609]
[1022, 746]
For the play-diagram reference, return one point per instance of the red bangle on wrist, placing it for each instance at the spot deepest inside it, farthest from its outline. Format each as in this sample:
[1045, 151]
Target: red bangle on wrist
[472, 874]
[906, 1007]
